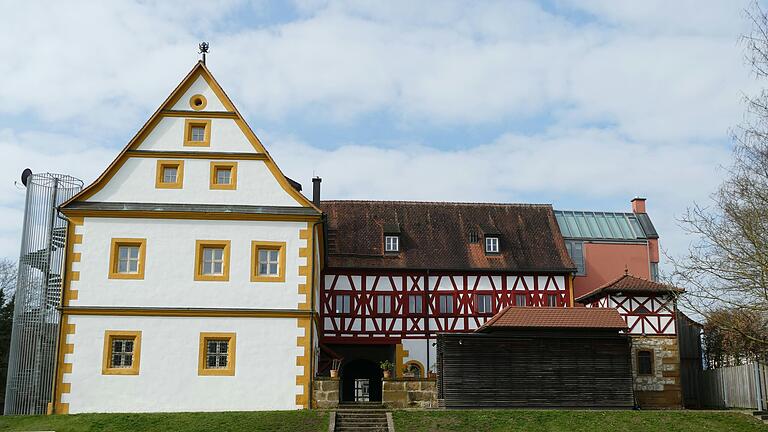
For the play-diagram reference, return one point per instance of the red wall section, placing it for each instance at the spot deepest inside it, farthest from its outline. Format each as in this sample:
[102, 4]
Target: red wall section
[607, 261]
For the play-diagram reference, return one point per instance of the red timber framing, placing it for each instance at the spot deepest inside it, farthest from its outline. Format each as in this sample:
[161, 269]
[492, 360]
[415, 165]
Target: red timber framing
[359, 306]
[645, 315]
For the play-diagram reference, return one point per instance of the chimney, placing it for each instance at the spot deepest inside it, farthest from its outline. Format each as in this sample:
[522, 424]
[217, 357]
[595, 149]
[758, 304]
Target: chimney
[316, 190]
[638, 205]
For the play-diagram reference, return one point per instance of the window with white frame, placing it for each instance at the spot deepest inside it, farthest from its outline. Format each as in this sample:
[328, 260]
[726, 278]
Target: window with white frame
[213, 261]
[521, 299]
[197, 133]
[446, 303]
[343, 303]
[415, 304]
[170, 173]
[491, 244]
[269, 262]
[484, 303]
[128, 259]
[552, 300]
[383, 304]
[391, 243]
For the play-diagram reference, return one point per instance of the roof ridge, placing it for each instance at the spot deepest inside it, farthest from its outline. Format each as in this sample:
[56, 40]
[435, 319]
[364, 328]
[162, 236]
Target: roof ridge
[465, 203]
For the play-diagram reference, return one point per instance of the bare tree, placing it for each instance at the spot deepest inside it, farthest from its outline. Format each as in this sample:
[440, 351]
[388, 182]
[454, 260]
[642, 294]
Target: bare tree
[8, 273]
[726, 267]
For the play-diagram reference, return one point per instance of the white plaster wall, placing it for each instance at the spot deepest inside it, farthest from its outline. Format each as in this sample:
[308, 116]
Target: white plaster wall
[135, 182]
[265, 367]
[170, 263]
[168, 135]
[200, 86]
[417, 350]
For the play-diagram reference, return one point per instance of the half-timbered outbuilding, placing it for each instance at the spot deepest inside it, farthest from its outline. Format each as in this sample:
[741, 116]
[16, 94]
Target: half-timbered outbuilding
[650, 310]
[398, 273]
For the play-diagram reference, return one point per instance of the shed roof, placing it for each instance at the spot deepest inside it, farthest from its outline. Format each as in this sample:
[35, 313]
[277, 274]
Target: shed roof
[592, 225]
[444, 236]
[627, 283]
[516, 317]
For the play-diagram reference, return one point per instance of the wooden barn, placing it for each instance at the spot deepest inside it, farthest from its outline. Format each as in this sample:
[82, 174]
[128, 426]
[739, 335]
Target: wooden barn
[538, 357]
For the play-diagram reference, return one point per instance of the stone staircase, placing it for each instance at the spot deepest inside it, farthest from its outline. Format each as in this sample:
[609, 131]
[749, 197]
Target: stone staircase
[762, 415]
[362, 417]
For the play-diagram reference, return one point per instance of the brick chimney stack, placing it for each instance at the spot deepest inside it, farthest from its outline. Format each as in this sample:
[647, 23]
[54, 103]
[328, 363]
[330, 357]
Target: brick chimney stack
[638, 205]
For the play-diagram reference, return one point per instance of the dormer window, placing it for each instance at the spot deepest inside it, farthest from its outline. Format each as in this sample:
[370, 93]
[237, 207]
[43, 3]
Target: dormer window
[391, 243]
[491, 244]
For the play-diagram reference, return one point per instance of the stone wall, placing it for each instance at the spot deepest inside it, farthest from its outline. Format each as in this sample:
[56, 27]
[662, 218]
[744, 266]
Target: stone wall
[409, 393]
[325, 392]
[661, 389]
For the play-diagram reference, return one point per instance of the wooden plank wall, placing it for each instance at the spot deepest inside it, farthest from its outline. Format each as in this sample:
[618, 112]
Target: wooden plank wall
[735, 386]
[479, 370]
[691, 364]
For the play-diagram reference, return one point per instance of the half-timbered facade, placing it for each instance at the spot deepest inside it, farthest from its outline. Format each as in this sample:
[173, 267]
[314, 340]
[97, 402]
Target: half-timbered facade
[650, 310]
[398, 273]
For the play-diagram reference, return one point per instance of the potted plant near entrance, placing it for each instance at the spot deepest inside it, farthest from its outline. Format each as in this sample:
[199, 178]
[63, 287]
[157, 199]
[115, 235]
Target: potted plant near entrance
[386, 366]
[335, 368]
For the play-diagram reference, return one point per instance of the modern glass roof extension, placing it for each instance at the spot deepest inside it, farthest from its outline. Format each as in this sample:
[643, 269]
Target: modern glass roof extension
[603, 225]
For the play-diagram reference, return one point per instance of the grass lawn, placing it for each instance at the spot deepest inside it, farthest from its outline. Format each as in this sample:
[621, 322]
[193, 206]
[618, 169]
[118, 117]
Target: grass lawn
[293, 421]
[574, 421]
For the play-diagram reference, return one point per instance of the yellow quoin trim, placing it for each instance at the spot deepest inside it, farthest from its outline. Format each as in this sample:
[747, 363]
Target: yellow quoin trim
[161, 165]
[400, 355]
[198, 102]
[62, 368]
[189, 124]
[305, 361]
[199, 246]
[232, 166]
[306, 252]
[109, 336]
[69, 294]
[231, 339]
[113, 257]
[270, 245]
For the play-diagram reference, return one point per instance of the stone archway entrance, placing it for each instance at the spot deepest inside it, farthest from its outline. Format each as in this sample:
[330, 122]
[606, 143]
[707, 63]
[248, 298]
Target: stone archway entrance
[361, 381]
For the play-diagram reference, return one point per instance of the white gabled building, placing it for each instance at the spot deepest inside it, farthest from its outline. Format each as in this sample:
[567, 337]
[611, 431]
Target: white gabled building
[190, 282]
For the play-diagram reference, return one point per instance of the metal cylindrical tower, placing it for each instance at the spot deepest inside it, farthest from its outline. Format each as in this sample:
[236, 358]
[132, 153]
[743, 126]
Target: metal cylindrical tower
[36, 315]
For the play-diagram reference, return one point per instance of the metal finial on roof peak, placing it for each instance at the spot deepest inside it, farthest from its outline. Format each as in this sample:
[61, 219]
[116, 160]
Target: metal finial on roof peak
[626, 270]
[203, 47]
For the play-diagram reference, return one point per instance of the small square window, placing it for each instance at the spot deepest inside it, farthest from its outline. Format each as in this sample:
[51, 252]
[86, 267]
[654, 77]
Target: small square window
[383, 304]
[268, 261]
[484, 303]
[521, 300]
[217, 354]
[491, 245]
[197, 133]
[170, 174]
[415, 304]
[212, 260]
[552, 300]
[122, 352]
[343, 303]
[391, 243]
[223, 175]
[126, 259]
[645, 362]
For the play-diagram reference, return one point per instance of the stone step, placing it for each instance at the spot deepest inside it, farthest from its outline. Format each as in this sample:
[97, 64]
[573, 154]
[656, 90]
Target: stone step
[361, 429]
[360, 420]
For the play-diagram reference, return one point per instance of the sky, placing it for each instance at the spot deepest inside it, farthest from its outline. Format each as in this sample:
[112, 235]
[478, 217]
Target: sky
[580, 103]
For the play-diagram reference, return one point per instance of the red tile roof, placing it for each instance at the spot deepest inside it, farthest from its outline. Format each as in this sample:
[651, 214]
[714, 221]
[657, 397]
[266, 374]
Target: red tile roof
[627, 283]
[436, 236]
[515, 317]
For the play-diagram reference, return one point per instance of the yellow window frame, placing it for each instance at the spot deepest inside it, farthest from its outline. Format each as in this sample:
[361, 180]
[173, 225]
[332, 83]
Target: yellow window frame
[232, 166]
[114, 257]
[109, 336]
[268, 245]
[161, 165]
[202, 368]
[202, 244]
[189, 124]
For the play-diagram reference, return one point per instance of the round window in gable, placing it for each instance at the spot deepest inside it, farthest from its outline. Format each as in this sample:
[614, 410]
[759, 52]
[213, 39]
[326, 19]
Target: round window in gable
[198, 102]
